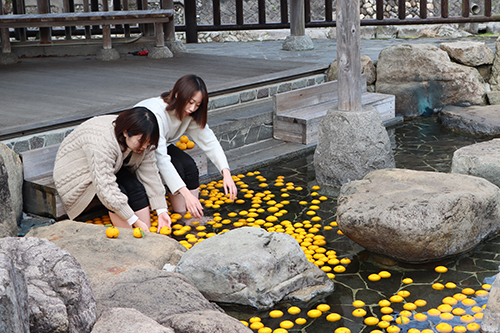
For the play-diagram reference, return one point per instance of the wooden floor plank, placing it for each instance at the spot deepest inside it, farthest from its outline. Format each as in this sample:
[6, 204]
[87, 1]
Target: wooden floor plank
[44, 91]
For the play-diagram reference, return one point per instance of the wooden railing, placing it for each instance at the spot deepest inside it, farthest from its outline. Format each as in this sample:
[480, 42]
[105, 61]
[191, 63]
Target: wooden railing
[472, 11]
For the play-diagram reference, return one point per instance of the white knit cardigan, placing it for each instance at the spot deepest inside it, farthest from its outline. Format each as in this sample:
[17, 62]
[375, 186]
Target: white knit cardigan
[86, 164]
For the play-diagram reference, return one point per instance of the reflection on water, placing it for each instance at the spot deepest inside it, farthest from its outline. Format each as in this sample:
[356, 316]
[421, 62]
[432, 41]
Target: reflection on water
[418, 144]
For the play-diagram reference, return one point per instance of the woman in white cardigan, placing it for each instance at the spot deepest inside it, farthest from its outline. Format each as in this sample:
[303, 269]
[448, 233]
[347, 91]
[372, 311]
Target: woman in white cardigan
[184, 110]
[111, 159]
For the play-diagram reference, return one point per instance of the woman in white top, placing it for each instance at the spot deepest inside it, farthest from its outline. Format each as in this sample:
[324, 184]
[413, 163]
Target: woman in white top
[184, 110]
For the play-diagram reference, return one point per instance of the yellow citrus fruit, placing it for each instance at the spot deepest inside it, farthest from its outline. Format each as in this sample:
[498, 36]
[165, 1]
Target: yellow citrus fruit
[112, 232]
[254, 319]
[359, 313]
[441, 269]
[300, 321]
[256, 325]
[444, 328]
[138, 233]
[473, 327]
[468, 291]
[446, 316]
[342, 330]
[393, 329]
[469, 302]
[449, 300]
[314, 313]
[384, 274]
[413, 330]
[459, 329]
[396, 299]
[420, 317]
[181, 146]
[275, 314]
[438, 286]
[402, 320]
[404, 293]
[333, 317]
[323, 307]
[409, 306]
[384, 323]
[190, 145]
[293, 310]
[407, 281]
[387, 317]
[165, 231]
[184, 139]
[265, 330]
[286, 324]
[384, 302]
[458, 311]
[358, 304]
[450, 285]
[370, 321]
[433, 312]
[420, 302]
[445, 308]
[386, 310]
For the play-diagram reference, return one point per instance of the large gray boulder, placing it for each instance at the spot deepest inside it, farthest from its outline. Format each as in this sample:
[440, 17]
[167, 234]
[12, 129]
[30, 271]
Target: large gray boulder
[126, 320]
[45, 286]
[491, 319]
[480, 159]
[251, 266]
[14, 309]
[350, 145]
[424, 79]
[367, 69]
[8, 222]
[417, 216]
[495, 70]
[168, 298]
[101, 256]
[476, 120]
[15, 172]
[469, 53]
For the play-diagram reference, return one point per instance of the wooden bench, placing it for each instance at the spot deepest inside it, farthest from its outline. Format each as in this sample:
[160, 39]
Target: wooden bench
[158, 17]
[39, 193]
[298, 113]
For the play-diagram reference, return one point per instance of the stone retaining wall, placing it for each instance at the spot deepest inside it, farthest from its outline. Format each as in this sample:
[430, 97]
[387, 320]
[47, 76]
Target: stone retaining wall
[49, 138]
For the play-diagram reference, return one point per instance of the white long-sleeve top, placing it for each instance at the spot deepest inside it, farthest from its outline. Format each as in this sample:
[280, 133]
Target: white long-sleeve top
[171, 129]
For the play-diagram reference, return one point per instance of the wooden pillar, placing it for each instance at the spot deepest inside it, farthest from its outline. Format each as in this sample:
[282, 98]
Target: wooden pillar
[160, 36]
[349, 55]
[106, 37]
[297, 18]
[44, 8]
[190, 20]
[86, 8]
[168, 28]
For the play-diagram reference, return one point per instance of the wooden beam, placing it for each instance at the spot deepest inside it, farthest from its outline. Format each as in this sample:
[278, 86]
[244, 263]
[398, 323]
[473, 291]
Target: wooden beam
[444, 8]
[159, 35]
[380, 9]
[487, 8]
[297, 18]
[261, 4]
[43, 8]
[106, 37]
[349, 55]
[401, 9]
[284, 11]
[423, 9]
[465, 8]
[239, 12]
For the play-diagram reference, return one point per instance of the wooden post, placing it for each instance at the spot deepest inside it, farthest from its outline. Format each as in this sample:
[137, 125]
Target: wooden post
[190, 20]
[168, 28]
[86, 8]
[106, 37]
[160, 36]
[297, 18]
[349, 55]
[44, 8]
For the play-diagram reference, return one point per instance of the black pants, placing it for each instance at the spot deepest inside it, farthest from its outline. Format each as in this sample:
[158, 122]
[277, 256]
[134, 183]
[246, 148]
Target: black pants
[130, 186]
[185, 166]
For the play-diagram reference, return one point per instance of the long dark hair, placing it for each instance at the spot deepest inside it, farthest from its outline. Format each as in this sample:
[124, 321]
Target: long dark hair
[182, 92]
[138, 120]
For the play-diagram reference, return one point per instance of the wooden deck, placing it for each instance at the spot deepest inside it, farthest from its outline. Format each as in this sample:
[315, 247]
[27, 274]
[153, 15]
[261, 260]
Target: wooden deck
[48, 92]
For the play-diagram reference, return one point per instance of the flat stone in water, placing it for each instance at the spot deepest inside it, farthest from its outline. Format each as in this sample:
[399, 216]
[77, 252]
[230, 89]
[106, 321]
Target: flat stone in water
[478, 120]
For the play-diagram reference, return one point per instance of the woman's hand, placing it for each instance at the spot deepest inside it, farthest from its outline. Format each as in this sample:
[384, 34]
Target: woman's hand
[229, 185]
[140, 224]
[193, 205]
[164, 221]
